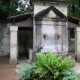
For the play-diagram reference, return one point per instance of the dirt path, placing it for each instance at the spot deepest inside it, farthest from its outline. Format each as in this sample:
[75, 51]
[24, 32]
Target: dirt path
[7, 71]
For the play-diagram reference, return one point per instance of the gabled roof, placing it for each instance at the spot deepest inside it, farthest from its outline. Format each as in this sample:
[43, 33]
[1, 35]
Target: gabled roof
[46, 11]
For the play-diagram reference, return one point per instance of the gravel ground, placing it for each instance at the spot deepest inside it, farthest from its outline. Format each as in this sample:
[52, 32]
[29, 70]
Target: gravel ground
[7, 71]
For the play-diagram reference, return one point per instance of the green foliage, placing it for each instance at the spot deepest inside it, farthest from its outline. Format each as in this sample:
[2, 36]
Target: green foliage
[9, 8]
[70, 74]
[74, 8]
[49, 67]
[26, 71]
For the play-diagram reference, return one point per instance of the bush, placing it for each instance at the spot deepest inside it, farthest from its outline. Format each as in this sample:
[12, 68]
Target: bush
[70, 74]
[26, 71]
[50, 67]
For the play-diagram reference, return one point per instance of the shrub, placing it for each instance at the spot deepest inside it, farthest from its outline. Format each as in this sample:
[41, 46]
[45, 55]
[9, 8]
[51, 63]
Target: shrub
[52, 67]
[70, 74]
[49, 67]
[26, 71]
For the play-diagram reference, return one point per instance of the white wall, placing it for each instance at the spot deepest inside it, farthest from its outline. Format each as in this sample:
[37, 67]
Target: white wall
[50, 28]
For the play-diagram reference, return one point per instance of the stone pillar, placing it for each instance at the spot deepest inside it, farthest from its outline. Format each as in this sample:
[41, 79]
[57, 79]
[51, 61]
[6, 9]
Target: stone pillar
[30, 55]
[34, 35]
[77, 43]
[13, 44]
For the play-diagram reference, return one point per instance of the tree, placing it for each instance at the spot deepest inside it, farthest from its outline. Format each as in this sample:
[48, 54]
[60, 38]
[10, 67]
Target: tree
[26, 7]
[9, 8]
[74, 8]
[14, 7]
[3, 10]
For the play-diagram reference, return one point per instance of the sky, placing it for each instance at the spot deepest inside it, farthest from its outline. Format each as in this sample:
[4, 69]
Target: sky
[25, 2]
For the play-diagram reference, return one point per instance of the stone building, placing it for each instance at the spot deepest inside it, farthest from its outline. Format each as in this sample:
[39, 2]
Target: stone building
[46, 29]
[73, 23]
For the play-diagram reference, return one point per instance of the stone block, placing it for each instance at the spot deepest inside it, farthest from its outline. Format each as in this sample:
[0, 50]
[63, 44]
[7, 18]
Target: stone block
[13, 28]
[30, 54]
[78, 57]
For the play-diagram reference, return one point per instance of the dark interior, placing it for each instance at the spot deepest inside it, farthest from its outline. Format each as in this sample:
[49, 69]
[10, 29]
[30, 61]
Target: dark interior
[25, 41]
[72, 35]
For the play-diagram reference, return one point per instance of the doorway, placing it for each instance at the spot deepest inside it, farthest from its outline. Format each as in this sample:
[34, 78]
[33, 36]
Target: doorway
[25, 41]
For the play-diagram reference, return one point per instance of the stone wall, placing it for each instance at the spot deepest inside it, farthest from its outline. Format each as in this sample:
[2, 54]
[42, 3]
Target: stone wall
[50, 32]
[4, 39]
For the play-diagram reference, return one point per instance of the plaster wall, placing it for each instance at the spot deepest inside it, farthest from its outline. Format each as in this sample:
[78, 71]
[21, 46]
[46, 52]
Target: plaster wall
[40, 6]
[49, 28]
[4, 39]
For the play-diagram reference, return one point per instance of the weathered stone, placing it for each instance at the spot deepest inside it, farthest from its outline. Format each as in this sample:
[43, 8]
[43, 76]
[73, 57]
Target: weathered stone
[50, 34]
[4, 39]
[77, 43]
[13, 45]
